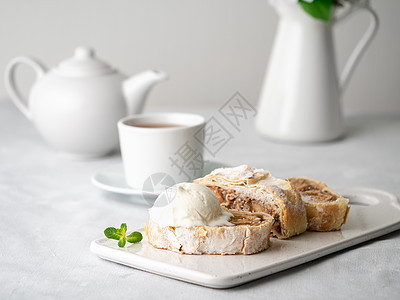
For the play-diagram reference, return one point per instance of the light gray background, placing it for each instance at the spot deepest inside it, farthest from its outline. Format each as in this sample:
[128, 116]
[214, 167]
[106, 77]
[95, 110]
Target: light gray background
[210, 48]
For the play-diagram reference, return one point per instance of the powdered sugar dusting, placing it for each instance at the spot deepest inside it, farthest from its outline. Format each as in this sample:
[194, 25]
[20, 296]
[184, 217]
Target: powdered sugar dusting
[250, 176]
[279, 191]
[240, 172]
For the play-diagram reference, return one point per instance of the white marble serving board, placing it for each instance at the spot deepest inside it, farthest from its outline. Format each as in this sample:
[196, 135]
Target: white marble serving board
[373, 213]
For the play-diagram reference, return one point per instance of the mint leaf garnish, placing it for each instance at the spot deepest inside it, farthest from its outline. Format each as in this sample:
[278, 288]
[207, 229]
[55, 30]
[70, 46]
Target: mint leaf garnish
[122, 241]
[134, 237]
[112, 233]
[124, 228]
[119, 234]
[319, 9]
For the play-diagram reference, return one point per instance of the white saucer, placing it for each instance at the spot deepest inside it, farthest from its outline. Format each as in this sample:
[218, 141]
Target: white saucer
[112, 179]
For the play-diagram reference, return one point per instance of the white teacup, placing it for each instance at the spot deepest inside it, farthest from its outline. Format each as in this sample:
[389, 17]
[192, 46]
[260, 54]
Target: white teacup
[161, 149]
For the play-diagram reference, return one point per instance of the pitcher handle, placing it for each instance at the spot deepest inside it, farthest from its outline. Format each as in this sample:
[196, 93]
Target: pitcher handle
[10, 84]
[362, 45]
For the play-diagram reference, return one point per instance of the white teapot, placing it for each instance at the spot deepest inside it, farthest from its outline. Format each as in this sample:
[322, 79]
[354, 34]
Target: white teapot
[76, 106]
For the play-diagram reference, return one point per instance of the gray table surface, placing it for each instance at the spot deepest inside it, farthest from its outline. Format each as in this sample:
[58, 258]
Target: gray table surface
[50, 212]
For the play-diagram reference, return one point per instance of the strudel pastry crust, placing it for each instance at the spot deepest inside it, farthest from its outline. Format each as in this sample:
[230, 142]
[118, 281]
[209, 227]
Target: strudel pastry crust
[249, 234]
[256, 190]
[326, 209]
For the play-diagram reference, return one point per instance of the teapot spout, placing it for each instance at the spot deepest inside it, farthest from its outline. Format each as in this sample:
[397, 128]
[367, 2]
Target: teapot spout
[137, 87]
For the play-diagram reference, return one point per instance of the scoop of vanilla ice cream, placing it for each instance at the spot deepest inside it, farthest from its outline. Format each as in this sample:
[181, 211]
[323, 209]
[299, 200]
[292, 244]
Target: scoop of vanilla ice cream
[191, 204]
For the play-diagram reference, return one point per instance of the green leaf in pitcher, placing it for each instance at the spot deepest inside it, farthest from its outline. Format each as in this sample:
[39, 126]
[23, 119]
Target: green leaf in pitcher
[319, 9]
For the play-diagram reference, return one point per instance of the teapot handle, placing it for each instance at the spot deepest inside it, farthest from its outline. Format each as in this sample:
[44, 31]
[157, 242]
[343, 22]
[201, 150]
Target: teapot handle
[10, 84]
[362, 45]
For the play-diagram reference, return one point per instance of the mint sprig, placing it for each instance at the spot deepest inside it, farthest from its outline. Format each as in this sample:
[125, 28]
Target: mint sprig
[319, 9]
[134, 237]
[119, 235]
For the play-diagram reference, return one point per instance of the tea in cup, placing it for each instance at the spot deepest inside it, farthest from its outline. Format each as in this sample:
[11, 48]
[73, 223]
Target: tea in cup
[161, 149]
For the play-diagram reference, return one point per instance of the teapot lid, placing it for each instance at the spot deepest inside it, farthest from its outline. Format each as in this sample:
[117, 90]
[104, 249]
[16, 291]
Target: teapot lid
[84, 63]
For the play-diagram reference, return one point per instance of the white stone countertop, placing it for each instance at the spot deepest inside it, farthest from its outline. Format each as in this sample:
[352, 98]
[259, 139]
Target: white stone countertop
[50, 212]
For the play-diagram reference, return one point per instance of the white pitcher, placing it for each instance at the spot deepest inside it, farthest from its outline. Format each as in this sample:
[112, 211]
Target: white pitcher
[300, 98]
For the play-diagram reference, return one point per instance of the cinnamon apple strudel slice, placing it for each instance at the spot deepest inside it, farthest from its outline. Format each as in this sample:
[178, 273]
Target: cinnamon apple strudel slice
[248, 234]
[249, 189]
[326, 209]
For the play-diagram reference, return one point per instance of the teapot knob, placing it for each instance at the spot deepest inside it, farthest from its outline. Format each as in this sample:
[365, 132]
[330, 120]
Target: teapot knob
[84, 52]
[84, 63]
